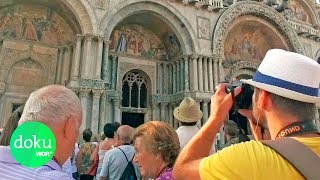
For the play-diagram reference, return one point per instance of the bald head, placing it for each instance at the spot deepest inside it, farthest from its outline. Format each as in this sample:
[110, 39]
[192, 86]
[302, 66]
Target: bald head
[125, 133]
[52, 105]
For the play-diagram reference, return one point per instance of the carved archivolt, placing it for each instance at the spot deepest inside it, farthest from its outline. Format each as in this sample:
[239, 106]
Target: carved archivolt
[149, 71]
[254, 9]
[238, 65]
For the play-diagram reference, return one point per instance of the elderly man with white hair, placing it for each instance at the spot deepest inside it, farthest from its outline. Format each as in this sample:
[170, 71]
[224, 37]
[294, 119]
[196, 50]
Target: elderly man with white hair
[60, 109]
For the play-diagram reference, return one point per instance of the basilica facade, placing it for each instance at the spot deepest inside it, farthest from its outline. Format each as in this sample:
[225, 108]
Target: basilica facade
[133, 61]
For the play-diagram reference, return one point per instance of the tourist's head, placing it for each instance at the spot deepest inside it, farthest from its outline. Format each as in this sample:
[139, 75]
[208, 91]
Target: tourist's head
[286, 83]
[109, 130]
[86, 135]
[124, 135]
[60, 109]
[188, 112]
[231, 129]
[10, 125]
[157, 146]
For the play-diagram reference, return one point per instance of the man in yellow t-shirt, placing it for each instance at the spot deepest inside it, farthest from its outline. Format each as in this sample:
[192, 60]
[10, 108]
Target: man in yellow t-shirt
[286, 90]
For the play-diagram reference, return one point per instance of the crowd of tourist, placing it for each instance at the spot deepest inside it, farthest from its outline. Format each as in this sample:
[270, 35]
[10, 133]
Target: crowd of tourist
[282, 99]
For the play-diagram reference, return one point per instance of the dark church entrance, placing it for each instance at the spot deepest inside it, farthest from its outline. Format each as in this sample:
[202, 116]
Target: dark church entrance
[132, 119]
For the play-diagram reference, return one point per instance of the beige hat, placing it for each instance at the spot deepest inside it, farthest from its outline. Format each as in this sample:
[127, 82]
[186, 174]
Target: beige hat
[188, 111]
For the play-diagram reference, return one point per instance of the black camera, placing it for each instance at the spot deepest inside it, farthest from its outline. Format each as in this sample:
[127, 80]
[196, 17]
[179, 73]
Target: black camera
[242, 100]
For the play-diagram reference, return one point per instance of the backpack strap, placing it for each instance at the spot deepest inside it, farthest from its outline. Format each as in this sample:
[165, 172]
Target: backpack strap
[299, 155]
[123, 153]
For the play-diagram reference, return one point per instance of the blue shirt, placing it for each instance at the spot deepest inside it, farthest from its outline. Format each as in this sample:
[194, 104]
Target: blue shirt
[114, 162]
[11, 169]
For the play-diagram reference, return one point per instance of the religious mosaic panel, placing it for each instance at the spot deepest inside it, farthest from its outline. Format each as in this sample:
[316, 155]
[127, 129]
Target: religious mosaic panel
[137, 41]
[297, 11]
[35, 23]
[250, 41]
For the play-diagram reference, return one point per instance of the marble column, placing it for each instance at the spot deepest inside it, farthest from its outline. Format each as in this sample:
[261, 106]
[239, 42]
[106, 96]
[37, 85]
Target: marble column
[170, 79]
[171, 118]
[105, 63]
[102, 117]
[117, 110]
[205, 71]
[59, 65]
[87, 60]
[160, 78]
[215, 72]
[154, 111]
[109, 114]
[200, 72]
[186, 74]
[182, 75]
[166, 77]
[174, 77]
[194, 59]
[95, 111]
[97, 68]
[221, 73]
[175, 122]
[211, 87]
[66, 66]
[163, 112]
[205, 111]
[199, 122]
[178, 76]
[76, 61]
[84, 95]
[114, 72]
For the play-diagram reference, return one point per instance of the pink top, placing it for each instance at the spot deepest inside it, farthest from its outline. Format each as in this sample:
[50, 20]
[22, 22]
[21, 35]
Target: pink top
[166, 175]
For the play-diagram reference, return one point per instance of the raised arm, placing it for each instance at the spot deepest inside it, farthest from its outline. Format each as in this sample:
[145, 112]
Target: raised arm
[187, 164]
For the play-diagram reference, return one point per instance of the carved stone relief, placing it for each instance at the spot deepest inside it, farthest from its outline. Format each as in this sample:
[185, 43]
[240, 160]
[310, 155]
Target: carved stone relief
[203, 28]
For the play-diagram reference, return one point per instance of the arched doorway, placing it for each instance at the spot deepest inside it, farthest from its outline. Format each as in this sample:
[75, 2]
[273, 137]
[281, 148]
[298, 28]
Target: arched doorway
[134, 98]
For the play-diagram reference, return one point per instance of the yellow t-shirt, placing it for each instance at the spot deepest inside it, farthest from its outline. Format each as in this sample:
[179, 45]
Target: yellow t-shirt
[252, 160]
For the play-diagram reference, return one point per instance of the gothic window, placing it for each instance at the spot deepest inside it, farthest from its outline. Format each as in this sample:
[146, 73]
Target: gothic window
[134, 90]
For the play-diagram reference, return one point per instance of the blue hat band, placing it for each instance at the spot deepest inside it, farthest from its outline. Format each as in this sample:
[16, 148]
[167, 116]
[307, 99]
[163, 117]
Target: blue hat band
[262, 78]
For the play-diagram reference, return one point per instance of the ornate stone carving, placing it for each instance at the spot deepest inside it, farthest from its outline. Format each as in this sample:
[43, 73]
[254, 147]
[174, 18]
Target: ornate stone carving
[93, 84]
[254, 9]
[148, 69]
[240, 65]
[84, 92]
[97, 93]
[203, 28]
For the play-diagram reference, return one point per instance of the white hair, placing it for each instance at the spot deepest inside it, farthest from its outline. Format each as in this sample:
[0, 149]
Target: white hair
[52, 105]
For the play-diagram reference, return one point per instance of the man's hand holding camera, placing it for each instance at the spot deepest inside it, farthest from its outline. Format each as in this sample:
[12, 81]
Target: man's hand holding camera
[221, 103]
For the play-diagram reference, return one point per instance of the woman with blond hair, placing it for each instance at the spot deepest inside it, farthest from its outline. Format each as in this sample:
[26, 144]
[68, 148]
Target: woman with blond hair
[157, 147]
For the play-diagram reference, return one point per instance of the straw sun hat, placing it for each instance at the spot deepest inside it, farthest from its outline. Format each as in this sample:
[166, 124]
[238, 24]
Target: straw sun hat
[289, 75]
[188, 111]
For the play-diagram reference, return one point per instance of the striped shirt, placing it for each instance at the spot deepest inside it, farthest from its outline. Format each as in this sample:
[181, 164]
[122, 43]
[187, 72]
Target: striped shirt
[11, 169]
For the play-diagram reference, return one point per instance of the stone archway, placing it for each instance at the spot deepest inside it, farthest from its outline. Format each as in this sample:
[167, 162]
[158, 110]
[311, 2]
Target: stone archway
[255, 9]
[164, 11]
[85, 15]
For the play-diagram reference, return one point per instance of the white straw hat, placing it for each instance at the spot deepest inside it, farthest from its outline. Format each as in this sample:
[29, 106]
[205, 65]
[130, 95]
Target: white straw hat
[289, 75]
[188, 111]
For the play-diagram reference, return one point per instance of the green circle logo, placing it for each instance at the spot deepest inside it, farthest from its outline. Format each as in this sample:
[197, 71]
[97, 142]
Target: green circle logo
[33, 144]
